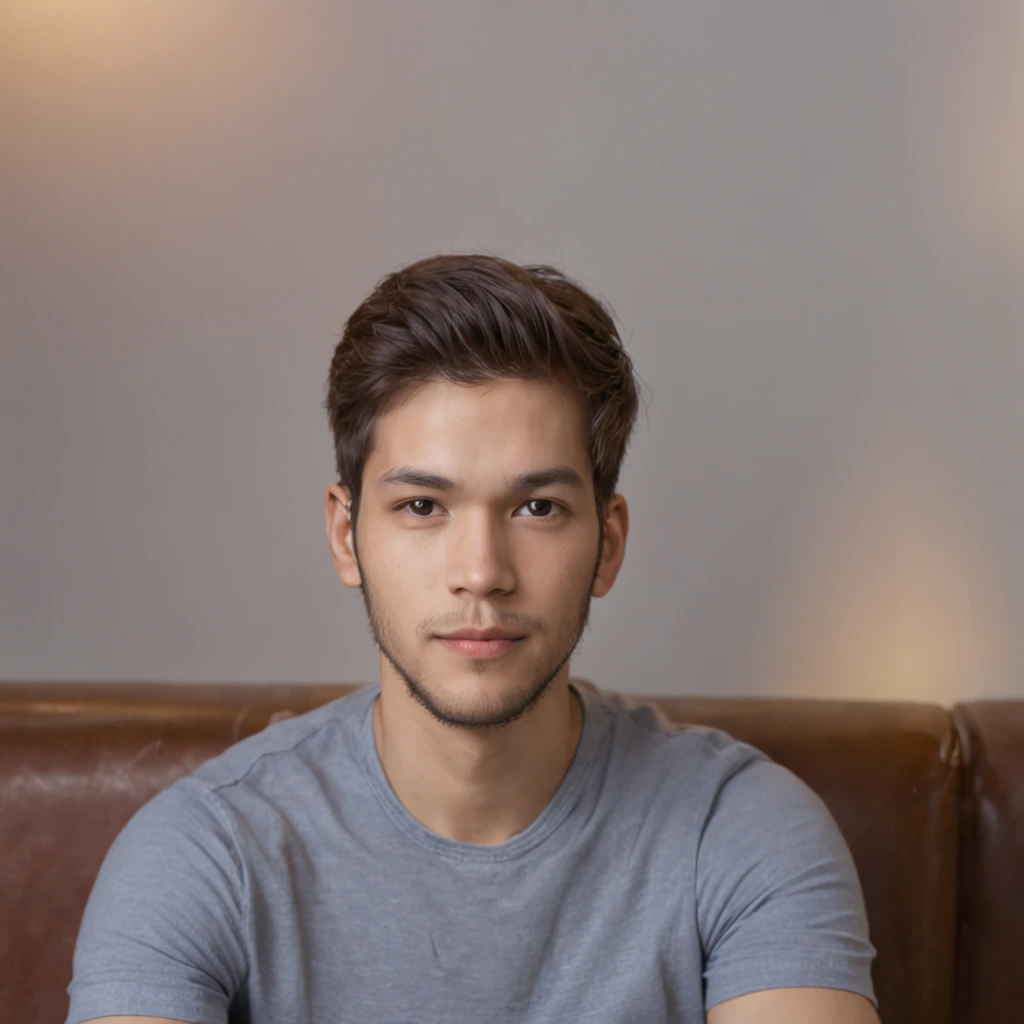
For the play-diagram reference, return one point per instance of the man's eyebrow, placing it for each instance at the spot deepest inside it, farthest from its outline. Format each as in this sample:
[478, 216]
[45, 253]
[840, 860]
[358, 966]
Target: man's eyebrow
[553, 475]
[410, 476]
[413, 477]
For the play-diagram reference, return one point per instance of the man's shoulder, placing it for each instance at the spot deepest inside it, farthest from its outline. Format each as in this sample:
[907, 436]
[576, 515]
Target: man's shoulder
[289, 744]
[644, 735]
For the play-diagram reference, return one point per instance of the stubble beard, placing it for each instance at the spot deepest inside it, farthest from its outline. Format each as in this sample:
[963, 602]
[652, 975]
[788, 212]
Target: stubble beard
[517, 702]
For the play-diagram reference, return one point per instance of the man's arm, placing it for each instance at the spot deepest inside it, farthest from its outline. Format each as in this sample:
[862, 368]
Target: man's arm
[780, 911]
[795, 1006]
[162, 936]
[133, 1020]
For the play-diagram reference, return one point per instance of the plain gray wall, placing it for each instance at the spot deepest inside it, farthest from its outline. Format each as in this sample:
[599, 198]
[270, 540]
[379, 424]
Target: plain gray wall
[809, 218]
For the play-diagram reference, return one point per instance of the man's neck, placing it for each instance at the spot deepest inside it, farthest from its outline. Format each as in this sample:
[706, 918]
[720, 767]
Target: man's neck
[476, 785]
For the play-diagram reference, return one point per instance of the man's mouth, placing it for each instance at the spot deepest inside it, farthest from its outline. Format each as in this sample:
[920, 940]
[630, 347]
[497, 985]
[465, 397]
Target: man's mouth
[493, 647]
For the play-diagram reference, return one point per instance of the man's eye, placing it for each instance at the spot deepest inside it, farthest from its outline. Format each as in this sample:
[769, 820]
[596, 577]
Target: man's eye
[419, 507]
[541, 508]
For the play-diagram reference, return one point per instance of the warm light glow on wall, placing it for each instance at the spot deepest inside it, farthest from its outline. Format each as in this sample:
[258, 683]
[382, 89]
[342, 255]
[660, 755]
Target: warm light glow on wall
[70, 36]
[981, 112]
[126, 124]
[899, 594]
[115, 47]
[89, 79]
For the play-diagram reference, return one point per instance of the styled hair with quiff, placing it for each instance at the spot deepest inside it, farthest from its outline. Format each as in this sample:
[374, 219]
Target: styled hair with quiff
[469, 319]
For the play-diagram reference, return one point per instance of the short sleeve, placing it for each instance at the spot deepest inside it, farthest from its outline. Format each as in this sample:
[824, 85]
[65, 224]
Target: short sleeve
[163, 929]
[779, 903]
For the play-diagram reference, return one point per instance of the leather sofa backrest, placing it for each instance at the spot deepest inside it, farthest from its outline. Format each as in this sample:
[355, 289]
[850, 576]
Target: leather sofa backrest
[76, 761]
[990, 952]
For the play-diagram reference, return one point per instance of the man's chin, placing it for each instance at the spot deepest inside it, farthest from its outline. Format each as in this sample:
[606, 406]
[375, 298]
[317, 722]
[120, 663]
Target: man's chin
[477, 705]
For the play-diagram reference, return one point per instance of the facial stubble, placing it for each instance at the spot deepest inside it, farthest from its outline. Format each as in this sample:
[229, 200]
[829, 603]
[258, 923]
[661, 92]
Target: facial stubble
[518, 703]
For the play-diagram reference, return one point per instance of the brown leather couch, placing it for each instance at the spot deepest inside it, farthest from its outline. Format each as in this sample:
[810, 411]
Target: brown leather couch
[931, 803]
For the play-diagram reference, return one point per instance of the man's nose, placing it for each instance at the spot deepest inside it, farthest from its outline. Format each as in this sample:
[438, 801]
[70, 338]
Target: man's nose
[480, 555]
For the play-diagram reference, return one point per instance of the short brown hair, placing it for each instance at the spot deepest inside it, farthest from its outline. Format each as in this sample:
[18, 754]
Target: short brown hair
[469, 319]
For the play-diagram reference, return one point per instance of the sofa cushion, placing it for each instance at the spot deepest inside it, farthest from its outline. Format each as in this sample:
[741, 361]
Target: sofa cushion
[77, 760]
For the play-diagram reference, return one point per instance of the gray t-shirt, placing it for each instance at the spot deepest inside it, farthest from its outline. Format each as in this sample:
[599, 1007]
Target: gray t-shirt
[284, 881]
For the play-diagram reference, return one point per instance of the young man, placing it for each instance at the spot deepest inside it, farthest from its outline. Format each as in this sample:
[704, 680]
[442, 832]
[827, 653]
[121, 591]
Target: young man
[476, 839]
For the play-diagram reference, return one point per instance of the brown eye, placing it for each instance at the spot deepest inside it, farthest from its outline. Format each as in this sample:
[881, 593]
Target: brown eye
[420, 505]
[544, 509]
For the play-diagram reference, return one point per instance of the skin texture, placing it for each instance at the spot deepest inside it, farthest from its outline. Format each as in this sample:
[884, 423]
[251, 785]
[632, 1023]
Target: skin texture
[795, 1006]
[774, 1006]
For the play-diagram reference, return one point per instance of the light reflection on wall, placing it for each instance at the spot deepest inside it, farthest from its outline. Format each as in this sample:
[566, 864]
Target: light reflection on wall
[140, 80]
[980, 121]
[899, 593]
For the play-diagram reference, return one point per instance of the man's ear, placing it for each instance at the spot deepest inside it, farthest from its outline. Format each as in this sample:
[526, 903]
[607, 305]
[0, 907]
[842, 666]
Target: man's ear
[340, 536]
[613, 551]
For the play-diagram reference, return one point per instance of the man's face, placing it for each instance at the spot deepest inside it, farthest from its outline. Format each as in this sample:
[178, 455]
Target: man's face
[478, 546]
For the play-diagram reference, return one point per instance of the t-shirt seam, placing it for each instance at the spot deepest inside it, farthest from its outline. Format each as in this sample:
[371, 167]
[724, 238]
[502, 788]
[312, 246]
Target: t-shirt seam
[219, 806]
[251, 767]
[810, 960]
[698, 845]
[136, 1001]
[220, 809]
[186, 993]
[690, 731]
[837, 967]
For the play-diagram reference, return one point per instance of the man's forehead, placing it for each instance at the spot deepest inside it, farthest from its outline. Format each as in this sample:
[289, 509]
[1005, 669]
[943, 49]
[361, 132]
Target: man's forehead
[510, 425]
[527, 439]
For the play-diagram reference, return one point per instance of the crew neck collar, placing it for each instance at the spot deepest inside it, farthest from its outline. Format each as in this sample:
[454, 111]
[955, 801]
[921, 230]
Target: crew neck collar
[558, 807]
